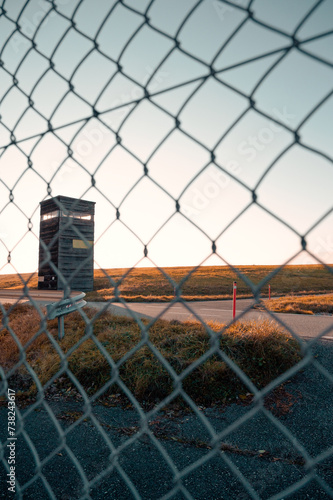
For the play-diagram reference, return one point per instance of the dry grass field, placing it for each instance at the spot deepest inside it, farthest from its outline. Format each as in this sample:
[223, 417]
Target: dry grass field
[205, 283]
[262, 350]
[15, 281]
[208, 283]
[310, 304]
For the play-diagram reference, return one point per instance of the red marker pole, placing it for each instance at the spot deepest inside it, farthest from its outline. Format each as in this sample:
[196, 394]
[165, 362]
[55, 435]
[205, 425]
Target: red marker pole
[269, 292]
[234, 300]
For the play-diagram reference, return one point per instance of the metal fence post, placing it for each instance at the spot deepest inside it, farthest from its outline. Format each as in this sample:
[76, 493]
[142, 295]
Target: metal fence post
[61, 327]
[234, 300]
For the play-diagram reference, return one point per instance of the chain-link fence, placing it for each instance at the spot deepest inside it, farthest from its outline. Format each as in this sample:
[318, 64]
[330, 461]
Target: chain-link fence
[157, 110]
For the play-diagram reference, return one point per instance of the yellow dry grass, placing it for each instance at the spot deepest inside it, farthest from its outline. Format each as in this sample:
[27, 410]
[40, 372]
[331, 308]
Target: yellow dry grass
[17, 281]
[204, 283]
[310, 304]
[262, 350]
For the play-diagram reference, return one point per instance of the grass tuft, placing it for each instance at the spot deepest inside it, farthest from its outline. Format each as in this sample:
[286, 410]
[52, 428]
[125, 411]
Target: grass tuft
[311, 304]
[262, 350]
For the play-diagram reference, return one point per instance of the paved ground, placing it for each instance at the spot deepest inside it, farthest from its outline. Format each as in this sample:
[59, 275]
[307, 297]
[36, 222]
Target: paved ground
[42, 296]
[221, 310]
[266, 461]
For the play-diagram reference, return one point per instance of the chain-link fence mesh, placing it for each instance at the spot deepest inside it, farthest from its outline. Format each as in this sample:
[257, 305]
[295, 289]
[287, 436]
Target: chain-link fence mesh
[89, 76]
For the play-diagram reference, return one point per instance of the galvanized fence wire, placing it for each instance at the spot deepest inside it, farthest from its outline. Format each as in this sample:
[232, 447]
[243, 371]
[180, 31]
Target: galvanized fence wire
[15, 31]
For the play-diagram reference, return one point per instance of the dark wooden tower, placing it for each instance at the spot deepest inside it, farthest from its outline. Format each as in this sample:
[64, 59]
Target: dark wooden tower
[67, 229]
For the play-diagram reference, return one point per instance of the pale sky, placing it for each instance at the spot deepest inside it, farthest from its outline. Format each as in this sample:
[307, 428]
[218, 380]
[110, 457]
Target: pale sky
[214, 115]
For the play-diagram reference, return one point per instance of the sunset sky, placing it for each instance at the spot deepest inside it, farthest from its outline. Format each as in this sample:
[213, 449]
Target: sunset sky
[227, 112]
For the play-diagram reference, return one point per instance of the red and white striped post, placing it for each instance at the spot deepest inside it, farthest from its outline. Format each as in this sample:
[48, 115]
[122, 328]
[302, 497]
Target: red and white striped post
[269, 292]
[234, 300]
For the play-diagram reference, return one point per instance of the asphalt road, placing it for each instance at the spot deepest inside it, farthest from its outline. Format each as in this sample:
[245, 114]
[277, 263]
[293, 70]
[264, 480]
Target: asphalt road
[306, 326]
[40, 296]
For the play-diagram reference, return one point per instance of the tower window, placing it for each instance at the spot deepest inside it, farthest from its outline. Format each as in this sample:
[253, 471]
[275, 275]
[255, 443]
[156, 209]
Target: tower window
[82, 244]
[77, 215]
[50, 215]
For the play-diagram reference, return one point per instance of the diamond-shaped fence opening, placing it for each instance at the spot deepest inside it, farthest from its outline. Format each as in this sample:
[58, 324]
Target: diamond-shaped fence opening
[201, 131]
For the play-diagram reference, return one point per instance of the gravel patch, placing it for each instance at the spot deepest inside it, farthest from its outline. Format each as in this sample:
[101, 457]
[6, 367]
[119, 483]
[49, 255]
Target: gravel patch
[265, 459]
